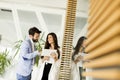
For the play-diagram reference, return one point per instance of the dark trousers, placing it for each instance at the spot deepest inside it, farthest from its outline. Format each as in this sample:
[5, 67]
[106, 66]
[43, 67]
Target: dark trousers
[46, 71]
[81, 70]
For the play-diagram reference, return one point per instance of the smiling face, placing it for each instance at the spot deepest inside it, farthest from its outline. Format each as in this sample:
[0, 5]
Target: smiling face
[35, 37]
[50, 39]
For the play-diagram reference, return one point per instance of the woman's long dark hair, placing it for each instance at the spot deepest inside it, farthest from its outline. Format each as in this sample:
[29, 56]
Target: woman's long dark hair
[56, 46]
[78, 46]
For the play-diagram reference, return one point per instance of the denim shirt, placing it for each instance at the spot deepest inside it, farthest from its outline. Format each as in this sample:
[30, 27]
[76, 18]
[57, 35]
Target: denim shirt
[26, 57]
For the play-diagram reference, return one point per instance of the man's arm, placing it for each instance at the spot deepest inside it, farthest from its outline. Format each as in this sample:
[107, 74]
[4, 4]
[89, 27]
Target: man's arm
[25, 51]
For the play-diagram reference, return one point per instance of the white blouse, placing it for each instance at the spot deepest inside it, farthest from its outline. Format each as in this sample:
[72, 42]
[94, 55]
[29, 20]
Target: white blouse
[79, 64]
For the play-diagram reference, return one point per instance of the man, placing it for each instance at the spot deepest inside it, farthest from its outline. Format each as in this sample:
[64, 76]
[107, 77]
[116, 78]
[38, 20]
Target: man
[27, 55]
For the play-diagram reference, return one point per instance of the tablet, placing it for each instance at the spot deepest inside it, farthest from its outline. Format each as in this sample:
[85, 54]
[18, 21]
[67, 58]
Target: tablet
[47, 52]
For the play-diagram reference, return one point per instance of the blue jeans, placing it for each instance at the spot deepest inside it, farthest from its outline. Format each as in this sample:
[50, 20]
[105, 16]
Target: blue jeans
[20, 77]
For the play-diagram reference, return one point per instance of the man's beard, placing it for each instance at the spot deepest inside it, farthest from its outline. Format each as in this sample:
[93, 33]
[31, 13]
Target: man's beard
[35, 40]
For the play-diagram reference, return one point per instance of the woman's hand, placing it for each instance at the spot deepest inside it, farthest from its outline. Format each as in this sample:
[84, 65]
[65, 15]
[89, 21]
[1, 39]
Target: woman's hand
[54, 56]
[78, 59]
[46, 58]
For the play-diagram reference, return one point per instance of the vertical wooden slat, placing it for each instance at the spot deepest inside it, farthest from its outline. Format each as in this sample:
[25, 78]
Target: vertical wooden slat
[65, 67]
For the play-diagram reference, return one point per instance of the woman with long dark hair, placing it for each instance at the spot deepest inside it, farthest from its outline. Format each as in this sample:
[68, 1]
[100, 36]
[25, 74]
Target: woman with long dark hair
[48, 69]
[77, 57]
[52, 43]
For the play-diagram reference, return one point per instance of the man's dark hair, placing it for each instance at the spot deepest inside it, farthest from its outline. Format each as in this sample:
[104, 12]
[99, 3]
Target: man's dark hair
[34, 30]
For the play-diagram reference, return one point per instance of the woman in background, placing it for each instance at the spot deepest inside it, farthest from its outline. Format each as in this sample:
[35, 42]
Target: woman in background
[48, 70]
[77, 58]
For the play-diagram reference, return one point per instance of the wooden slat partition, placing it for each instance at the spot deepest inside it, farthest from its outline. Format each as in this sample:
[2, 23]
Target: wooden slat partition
[102, 39]
[109, 60]
[105, 48]
[107, 13]
[105, 74]
[65, 66]
[103, 43]
[101, 10]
